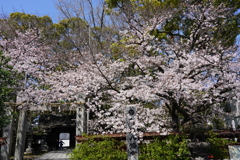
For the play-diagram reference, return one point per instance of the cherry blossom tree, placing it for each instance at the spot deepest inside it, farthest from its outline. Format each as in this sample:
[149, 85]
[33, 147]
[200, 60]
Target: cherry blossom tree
[178, 76]
[168, 79]
[26, 54]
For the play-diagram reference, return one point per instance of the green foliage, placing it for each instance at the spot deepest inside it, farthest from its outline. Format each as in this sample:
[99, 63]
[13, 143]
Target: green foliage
[18, 21]
[143, 3]
[178, 26]
[4, 119]
[219, 149]
[73, 23]
[173, 147]
[6, 83]
[37, 131]
[170, 148]
[104, 148]
[113, 3]
[218, 123]
[28, 21]
[95, 149]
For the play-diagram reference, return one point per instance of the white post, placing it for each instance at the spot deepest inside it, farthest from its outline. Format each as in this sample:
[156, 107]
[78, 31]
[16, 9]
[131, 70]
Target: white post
[81, 120]
[131, 137]
[7, 132]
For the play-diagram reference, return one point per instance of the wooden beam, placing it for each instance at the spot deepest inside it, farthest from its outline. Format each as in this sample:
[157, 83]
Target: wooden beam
[70, 106]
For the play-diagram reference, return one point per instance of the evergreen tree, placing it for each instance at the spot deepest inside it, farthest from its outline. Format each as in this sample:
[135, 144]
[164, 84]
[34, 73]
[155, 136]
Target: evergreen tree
[7, 83]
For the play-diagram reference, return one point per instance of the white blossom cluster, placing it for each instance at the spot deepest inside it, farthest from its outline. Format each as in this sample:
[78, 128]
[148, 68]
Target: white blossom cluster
[189, 75]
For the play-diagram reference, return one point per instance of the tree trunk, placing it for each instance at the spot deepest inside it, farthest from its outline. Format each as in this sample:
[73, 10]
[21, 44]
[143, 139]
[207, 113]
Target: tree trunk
[175, 120]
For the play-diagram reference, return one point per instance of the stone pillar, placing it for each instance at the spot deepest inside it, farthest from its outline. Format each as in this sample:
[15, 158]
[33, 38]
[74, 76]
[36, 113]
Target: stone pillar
[21, 135]
[7, 132]
[132, 140]
[81, 120]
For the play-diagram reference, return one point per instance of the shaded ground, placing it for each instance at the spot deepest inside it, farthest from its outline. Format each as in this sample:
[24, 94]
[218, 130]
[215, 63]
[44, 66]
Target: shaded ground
[52, 155]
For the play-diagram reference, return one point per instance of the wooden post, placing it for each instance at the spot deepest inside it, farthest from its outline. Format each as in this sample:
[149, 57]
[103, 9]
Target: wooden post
[7, 132]
[21, 135]
[131, 137]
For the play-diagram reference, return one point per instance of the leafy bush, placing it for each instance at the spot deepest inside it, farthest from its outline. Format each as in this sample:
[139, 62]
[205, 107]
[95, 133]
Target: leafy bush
[219, 149]
[103, 149]
[170, 148]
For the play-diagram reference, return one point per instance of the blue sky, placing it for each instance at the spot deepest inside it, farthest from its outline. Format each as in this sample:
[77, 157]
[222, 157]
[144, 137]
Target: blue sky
[37, 7]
